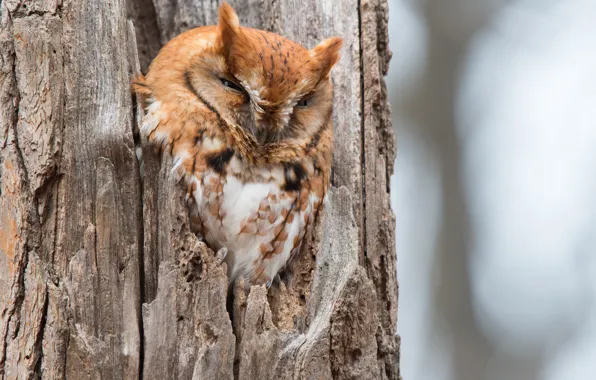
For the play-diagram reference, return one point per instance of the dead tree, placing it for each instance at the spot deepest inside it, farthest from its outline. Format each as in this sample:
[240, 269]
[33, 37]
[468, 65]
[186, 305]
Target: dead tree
[100, 276]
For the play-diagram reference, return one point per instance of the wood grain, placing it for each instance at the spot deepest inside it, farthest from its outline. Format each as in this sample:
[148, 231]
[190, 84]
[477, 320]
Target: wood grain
[100, 275]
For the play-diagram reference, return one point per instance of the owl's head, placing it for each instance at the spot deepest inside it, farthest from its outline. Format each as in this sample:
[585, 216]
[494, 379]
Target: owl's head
[274, 89]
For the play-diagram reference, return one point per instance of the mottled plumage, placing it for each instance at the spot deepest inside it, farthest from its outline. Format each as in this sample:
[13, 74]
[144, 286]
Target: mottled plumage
[246, 115]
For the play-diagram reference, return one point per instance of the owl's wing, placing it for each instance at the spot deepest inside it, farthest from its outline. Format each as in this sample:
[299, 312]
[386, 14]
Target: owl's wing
[183, 128]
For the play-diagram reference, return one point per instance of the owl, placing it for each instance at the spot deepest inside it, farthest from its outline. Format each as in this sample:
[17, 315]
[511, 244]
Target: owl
[247, 117]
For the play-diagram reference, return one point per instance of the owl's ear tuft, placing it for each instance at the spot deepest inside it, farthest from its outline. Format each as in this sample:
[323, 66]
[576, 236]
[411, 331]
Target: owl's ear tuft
[327, 54]
[229, 25]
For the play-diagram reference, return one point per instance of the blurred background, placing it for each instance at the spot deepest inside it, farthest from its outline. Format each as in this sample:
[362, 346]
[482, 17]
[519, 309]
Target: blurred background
[494, 106]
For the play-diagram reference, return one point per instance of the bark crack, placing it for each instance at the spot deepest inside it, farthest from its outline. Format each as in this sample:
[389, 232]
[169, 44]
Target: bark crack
[362, 134]
[141, 242]
[138, 157]
[37, 350]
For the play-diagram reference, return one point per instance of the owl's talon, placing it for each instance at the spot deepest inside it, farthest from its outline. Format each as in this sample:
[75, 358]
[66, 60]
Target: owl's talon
[221, 254]
[274, 279]
[200, 237]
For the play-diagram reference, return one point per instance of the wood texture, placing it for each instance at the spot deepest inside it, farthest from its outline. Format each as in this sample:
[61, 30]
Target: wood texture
[100, 276]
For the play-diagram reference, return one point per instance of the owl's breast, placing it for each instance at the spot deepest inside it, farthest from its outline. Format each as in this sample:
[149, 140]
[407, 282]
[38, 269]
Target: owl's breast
[261, 223]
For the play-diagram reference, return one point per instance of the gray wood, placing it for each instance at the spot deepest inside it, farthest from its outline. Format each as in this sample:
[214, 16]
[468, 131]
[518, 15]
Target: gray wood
[100, 275]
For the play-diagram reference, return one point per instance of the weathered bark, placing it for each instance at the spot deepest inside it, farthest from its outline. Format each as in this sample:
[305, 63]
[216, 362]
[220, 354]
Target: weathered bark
[100, 275]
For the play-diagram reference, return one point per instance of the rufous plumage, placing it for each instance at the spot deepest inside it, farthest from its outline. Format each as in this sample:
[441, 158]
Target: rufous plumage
[247, 117]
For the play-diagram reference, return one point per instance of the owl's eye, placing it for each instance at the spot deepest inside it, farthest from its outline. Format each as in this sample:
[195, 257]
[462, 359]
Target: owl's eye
[231, 85]
[303, 102]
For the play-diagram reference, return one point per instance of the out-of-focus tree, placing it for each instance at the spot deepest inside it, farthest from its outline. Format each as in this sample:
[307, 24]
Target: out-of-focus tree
[485, 228]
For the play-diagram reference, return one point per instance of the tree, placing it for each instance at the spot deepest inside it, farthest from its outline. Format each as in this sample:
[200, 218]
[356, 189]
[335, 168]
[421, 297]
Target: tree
[100, 276]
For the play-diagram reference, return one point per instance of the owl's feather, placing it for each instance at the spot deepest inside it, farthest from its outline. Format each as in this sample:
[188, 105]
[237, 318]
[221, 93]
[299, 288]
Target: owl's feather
[246, 115]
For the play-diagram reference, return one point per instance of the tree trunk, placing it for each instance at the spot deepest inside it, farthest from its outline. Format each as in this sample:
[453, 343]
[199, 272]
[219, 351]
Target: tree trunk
[100, 276]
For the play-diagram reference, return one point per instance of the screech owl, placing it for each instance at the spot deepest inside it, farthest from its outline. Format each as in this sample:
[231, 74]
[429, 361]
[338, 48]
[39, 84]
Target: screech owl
[247, 117]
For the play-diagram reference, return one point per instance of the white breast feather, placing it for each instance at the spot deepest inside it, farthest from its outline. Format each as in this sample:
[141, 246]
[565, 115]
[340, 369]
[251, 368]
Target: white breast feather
[241, 201]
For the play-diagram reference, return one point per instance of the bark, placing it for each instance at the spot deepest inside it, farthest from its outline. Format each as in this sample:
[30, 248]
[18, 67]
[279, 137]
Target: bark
[100, 275]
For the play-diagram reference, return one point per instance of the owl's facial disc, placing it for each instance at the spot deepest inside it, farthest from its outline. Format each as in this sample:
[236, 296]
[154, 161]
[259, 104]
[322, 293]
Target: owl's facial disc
[282, 79]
